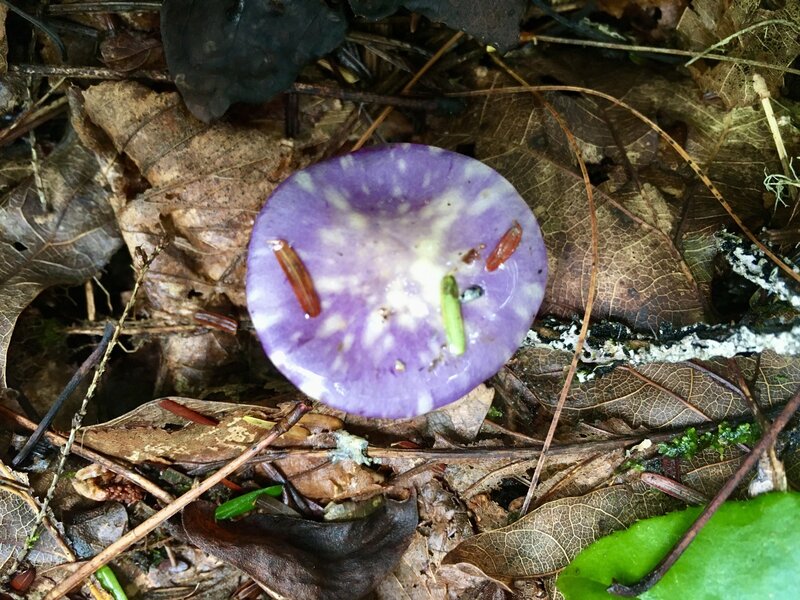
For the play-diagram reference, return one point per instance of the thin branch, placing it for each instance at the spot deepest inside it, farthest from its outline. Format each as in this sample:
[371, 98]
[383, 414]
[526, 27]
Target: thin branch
[175, 507]
[592, 287]
[725, 41]
[77, 419]
[652, 578]
[80, 450]
[408, 87]
[666, 137]
[530, 37]
[71, 386]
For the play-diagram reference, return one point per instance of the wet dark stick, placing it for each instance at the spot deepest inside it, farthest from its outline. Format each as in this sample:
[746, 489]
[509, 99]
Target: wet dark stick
[71, 386]
[652, 578]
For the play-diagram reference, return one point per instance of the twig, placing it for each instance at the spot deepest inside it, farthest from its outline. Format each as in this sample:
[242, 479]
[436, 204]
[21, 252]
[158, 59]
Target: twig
[760, 87]
[725, 41]
[77, 419]
[86, 72]
[72, 384]
[592, 291]
[530, 37]
[62, 51]
[175, 507]
[666, 137]
[652, 578]
[408, 87]
[103, 7]
[324, 91]
[102, 460]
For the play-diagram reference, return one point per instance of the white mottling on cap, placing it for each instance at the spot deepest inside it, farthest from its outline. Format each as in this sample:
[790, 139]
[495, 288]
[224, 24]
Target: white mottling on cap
[311, 384]
[365, 189]
[347, 341]
[304, 181]
[332, 324]
[435, 150]
[402, 165]
[278, 358]
[475, 168]
[424, 402]
[338, 365]
[397, 191]
[426, 179]
[337, 200]
[487, 198]
[373, 329]
[347, 162]
[263, 321]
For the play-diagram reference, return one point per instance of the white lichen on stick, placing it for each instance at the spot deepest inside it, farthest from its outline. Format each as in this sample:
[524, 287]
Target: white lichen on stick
[749, 262]
[691, 343]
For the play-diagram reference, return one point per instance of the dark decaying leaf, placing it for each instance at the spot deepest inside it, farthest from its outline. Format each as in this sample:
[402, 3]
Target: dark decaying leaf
[498, 26]
[220, 52]
[307, 560]
[63, 241]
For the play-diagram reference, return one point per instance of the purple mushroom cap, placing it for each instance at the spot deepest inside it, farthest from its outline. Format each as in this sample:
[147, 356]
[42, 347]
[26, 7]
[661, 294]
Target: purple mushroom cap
[376, 232]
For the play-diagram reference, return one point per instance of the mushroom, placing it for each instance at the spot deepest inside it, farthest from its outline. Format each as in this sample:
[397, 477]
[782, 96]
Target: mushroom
[394, 280]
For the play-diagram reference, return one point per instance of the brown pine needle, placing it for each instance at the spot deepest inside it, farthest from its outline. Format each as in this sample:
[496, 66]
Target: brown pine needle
[665, 136]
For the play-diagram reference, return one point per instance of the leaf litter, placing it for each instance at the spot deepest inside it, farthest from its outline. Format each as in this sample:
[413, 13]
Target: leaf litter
[146, 167]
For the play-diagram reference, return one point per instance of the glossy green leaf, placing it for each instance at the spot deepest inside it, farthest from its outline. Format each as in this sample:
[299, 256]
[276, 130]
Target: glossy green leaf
[748, 550]
[110, 583]
[244, 503]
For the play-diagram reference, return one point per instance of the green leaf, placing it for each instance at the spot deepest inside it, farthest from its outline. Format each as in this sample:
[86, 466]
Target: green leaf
[244, 503]
[748, 550]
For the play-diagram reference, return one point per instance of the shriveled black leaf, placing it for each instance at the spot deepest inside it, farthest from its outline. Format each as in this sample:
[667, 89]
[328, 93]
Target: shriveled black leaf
[63, 241]
[307, 560]
[220, 52]
[496, 23]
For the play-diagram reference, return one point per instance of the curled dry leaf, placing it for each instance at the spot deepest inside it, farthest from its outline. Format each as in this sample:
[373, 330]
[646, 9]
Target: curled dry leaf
[208, 183]
[62, 239]
[546, 539]
[307, 560]
[151, 433]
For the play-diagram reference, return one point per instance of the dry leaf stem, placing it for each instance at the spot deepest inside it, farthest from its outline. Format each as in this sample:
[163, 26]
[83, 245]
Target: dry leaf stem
[407, 88]
[530, 37]
[175, 507]
[71, 386]
[77, 418]
[591, 292]
[89, 454]
[666, 137]
[652, 578]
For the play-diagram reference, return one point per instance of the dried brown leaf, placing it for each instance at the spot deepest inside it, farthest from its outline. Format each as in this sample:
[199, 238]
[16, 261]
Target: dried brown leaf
[18, 512]
[707, 22]
[546, 539]
[208, 183]
[151, 433]
[643, 279]
[64, 241]
[660, 395]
